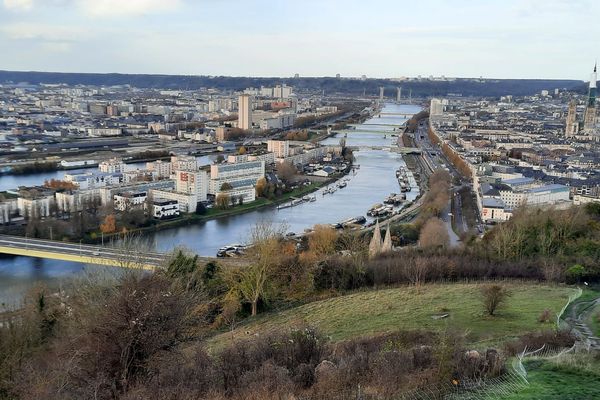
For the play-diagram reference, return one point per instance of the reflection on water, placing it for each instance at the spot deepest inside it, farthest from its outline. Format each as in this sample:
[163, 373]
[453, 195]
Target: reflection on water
[375, 180]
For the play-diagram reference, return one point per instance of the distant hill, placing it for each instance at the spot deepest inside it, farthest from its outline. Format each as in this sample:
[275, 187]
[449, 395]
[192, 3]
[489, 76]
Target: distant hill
[464, 87]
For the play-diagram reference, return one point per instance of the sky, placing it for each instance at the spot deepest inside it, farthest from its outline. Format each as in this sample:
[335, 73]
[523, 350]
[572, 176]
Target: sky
[550, 39]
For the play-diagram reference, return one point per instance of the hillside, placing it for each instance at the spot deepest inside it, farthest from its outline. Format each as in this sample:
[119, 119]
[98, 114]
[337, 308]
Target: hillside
[406, 308]
[462, 86]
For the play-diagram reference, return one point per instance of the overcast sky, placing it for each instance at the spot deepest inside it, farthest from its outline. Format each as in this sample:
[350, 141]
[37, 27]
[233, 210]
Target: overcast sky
[378, 38]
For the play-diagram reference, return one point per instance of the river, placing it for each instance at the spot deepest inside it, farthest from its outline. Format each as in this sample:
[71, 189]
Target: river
[372, 182]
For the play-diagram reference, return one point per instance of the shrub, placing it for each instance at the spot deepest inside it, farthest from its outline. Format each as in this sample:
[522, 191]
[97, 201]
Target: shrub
[545, 316]
[492, 297]
[575, 273]
[535, 340]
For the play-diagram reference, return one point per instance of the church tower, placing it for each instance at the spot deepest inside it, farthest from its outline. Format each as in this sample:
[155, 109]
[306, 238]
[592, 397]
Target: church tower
[589, 119]
[572, 125]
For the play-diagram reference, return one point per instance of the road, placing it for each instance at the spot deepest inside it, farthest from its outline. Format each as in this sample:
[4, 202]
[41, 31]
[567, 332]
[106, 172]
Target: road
[435, 159]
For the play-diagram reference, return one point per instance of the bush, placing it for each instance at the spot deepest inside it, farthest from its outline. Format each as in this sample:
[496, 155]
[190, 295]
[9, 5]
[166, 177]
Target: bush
[545, 316]
[535, 340]
[575, 274]
[492, 297]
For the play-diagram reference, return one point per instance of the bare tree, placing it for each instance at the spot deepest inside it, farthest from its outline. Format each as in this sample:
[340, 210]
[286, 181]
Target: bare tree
[286, 171]
[253, 282]
[434, 234]
[493, 296]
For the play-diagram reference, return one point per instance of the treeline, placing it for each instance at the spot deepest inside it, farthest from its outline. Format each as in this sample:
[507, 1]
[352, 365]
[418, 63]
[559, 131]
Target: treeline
[422, 88]
[413, 122]
[151, 155]
[38, 166]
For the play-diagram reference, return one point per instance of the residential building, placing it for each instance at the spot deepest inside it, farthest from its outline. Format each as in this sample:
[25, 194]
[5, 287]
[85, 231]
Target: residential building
[184, 163]
[114, 165]
[192, 182]
[165, 209]
[281, 148]
[245, 112]
[160, 169]
[129, 200]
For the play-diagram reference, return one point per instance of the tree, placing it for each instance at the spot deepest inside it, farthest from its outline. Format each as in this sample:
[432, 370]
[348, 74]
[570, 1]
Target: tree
[261, 187]
[253, 283]
[222, 201]
[109, 225]
[434, 234]
[225, 186]
[493, 296]
[286, 171]
[321, 241]
[200, 208]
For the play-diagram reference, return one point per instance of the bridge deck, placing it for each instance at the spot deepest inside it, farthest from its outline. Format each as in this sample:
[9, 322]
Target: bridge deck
[85, 259]
[92, 254]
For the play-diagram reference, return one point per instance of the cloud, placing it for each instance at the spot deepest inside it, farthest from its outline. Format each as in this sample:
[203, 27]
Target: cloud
[100, 8]
[44, 32]
[118, 8]
[18, 5]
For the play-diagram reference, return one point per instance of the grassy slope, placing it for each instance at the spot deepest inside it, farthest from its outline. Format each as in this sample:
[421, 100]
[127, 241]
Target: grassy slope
[379, 311]
[549, 381]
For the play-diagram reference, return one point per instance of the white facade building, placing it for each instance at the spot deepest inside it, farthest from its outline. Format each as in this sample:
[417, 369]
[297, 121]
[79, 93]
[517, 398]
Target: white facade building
[160, 169]
[281, 148]
[112, 166]
[165, 209]
[192, 182]
[129, 200]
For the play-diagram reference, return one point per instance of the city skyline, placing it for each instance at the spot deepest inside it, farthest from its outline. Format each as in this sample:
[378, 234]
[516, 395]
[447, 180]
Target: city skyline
[386, 40]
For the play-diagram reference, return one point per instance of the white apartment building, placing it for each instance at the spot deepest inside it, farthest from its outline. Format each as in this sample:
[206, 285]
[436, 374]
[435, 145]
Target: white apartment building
[104, 132]
[308, 156]
[129, 200]
[187, 203]
[159, 169]
[278, 121]
[242, 176]
[436, 107]
[165, 209]
[282, 91]
[72, 201]
[93, 180]
[7, 209]
[112, 166]
[37, 206]
[184, 163]
[547, 194]
[281, 148]
[192, 183]
[268, 158]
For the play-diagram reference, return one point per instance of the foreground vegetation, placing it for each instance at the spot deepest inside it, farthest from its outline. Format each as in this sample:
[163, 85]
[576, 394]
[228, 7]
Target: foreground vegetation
[317, 318]
[577, 377]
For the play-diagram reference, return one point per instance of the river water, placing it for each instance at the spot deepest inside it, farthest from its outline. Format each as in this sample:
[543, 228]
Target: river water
[372, 182]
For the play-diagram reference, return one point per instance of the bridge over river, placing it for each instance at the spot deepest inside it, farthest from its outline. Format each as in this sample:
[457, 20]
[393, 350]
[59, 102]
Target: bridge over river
[79, 252]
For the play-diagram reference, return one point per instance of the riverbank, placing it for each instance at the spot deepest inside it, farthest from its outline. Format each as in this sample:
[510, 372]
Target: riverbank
[213, 213]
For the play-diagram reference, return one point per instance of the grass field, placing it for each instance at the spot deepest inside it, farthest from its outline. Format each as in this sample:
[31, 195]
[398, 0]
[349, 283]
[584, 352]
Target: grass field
[550, 381]
[380, 311]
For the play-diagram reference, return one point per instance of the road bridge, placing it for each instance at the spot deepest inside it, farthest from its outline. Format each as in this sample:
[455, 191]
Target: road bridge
[403, 115]
[82, 253]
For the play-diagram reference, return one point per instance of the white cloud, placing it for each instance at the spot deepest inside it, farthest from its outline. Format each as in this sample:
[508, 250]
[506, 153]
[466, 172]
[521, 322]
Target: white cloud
[18, 5]
[100, 8]
[44, 32]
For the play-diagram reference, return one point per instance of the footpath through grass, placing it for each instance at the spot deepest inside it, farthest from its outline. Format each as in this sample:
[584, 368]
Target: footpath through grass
[380, 311]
